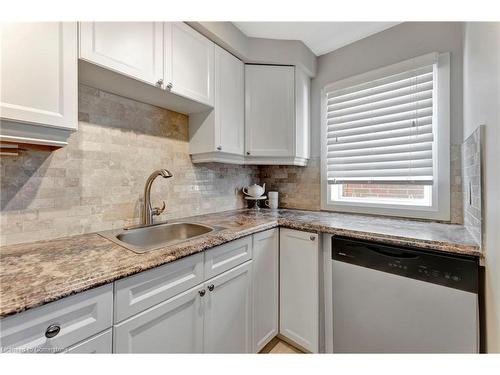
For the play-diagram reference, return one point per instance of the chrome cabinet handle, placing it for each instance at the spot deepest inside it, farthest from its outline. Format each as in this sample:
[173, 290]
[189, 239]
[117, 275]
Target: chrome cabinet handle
[52, 330]
[312, 238]
[219, 148]
[169, 86]
[159, 83]
[201, 292]
[211, 287]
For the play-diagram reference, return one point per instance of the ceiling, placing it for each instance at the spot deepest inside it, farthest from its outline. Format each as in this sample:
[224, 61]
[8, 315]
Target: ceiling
[320, 37]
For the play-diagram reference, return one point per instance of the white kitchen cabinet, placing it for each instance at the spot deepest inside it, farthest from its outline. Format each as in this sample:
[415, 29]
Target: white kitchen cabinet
[265, 285]
[39, 101]
[299, 288]
[276, 115]
[165, 64]
[56, 326]
[173, 326]
[218, 135]
[131, 48]
[98, 344]
[228, 311]
[213, 316]
[189, 63]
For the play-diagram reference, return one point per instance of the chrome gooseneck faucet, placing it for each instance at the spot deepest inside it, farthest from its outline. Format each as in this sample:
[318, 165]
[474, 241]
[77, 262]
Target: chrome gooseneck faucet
[149, 212]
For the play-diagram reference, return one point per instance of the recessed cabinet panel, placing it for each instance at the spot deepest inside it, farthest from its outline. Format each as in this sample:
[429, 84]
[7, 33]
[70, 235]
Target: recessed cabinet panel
[229, 102]
[269, 110]
[265, 287]
[299, 288]
[218, 135]
[189, 63]
[173, 326]
[131, 48]
[38, 78]
[228, 311]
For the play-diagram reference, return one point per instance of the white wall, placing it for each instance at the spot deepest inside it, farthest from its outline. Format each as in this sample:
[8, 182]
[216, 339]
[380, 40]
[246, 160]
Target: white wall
[390, 46]
[481, 97]
[258, 50]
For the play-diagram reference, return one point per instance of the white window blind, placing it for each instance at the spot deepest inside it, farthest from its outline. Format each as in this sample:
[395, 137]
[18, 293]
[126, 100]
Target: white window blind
[381, 130]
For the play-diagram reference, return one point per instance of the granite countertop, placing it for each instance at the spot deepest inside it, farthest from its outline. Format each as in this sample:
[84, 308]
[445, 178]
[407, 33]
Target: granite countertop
[33, 274]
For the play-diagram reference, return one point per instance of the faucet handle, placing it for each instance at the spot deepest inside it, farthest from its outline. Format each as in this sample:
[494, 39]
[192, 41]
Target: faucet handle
[157, 210]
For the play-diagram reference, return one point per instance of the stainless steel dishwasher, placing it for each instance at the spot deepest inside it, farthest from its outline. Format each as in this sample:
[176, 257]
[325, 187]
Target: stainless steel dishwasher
[389, 299]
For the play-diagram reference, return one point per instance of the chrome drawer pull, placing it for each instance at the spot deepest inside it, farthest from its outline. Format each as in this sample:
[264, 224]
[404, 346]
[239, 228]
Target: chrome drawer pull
[52, 331]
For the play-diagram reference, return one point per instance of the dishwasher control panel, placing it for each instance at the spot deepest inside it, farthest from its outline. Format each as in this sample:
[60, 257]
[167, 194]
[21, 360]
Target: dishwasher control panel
[459, 272]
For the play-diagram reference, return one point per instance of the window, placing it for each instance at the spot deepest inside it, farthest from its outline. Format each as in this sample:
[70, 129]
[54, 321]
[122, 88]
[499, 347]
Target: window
[385, 140]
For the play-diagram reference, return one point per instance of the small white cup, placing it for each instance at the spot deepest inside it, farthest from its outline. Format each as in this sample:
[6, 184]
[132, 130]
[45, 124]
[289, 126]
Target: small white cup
[272, 204]
[272, 195]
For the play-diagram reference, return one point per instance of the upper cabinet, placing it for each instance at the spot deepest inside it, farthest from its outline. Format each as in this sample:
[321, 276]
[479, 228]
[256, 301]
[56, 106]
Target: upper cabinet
[218, 135]
[39, 101]
[262, 118]
[131, 48]
[167, 64]
[270, 101]
[189, 63]
[276, 115]
[253, 114]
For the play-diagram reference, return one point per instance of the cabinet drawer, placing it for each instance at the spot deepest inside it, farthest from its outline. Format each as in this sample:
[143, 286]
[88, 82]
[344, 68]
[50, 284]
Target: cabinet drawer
[78, 317]
[227, 256]
[98, 344]
[139, 292]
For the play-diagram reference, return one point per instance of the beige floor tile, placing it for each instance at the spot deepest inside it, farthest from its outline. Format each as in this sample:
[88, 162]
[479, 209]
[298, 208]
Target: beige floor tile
[277, 346]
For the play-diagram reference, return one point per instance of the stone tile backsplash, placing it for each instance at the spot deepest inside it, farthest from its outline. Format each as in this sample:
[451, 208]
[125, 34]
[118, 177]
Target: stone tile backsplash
[298, 187]
[96, 182]
[472, 183]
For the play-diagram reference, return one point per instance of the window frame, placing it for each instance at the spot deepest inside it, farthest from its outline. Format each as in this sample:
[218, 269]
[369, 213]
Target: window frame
[441, 194]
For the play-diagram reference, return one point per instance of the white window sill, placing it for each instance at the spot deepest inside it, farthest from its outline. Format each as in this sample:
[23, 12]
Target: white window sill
[408, 211]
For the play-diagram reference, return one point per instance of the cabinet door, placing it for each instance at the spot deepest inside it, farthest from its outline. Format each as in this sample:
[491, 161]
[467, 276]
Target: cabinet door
[39, 64]
[189, 63]
[131, 48]
[99, 344]
[299, 288]
[173, 326]
[265, 287]
[229, 102]
[228, 311]
[269, 110]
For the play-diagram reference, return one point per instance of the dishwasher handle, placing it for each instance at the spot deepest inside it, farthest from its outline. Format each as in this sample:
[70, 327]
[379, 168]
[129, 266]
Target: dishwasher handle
[392, 253]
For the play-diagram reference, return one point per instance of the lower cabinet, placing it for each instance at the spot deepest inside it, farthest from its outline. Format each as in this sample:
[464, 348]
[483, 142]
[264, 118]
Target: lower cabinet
[211, 302]
[214, 317]
[265, 287]
[228, 311]
[299, 288]
[173, 326]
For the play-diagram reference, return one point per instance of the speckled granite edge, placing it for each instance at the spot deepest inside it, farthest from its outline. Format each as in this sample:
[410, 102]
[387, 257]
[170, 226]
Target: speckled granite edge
[37, 273]
[179, 252]
[452, 248]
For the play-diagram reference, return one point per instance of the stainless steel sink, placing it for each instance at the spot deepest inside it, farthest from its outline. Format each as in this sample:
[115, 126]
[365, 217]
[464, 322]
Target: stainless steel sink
[143, 239]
